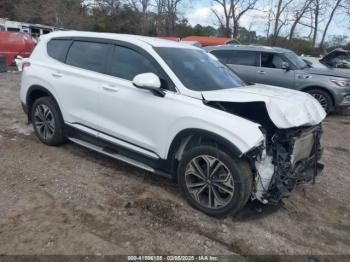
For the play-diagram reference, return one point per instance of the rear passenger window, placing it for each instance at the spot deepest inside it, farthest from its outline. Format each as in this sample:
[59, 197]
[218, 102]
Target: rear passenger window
[58, 48]
[127, 63]
[88, 55]
[237, 57]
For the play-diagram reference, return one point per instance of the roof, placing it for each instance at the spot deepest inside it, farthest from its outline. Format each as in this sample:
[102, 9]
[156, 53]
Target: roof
[249, 48]
[209, 41]
[137, 39]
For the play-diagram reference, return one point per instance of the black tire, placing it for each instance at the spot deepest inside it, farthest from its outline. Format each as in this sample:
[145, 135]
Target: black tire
[323, 98]
[239, 170]
[55, 136]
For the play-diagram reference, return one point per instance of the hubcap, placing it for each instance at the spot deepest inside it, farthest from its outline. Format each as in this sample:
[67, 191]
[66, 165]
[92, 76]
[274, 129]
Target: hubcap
[209, 182]
[44, 122]
[322, 100]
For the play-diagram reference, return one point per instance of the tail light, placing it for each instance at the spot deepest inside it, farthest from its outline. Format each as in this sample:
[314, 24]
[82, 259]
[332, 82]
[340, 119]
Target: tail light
[25, 64]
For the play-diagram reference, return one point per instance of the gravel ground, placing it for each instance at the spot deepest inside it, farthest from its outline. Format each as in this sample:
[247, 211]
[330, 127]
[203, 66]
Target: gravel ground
[70, 200]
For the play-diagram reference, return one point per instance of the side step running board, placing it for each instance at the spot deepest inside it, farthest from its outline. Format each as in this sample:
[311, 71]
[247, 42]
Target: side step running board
[112, 154]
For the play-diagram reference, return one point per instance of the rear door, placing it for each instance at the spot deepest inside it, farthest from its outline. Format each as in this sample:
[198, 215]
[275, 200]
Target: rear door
[271, 73]
[243, 63]
[79, 81]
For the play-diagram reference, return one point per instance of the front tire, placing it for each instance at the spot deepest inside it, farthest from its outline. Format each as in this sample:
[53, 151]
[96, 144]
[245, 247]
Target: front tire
[47, 121]
[323, 98]
[214, 182]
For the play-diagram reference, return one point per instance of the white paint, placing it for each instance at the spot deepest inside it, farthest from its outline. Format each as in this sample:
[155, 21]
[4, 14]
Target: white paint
[287, 108]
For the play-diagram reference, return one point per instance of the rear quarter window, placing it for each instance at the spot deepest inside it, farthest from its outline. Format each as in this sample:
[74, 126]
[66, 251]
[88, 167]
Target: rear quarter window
[58, 48]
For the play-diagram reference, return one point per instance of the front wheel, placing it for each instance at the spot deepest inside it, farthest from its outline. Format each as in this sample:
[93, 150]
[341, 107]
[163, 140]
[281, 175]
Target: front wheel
[323, 98]
[214, 182]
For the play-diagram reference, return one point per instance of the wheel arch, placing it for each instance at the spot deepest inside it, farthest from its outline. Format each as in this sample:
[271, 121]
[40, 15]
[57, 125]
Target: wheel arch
[188, 138]
[35, 92]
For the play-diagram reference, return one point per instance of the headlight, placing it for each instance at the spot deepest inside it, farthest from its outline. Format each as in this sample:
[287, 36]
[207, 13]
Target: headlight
[341, 83]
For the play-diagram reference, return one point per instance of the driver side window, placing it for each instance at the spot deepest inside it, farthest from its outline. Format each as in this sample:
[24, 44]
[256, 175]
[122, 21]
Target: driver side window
[271, 60]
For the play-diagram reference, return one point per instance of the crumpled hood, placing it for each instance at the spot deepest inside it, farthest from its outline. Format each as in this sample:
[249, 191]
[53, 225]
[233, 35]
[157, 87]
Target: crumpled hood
[286, 108]
[326, 72]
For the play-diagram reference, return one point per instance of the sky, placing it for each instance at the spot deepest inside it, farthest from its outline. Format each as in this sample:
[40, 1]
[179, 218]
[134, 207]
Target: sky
[200, 13]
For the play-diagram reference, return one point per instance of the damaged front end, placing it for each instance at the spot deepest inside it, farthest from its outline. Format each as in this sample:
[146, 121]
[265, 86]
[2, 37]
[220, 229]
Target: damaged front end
[288, 158]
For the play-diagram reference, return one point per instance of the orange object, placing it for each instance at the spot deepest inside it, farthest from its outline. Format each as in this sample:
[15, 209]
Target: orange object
[14, 44]
[210, 41]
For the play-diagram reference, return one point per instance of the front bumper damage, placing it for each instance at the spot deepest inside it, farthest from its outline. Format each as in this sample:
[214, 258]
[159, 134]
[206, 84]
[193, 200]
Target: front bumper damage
[289, 158]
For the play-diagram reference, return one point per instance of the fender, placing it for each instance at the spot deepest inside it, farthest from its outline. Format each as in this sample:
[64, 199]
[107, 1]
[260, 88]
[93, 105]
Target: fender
[312, 84]
[224, 132]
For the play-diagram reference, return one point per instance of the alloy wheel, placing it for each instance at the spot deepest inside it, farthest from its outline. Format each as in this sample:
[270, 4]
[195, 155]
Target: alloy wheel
[322, 100]
[44, 121]
[209, 182]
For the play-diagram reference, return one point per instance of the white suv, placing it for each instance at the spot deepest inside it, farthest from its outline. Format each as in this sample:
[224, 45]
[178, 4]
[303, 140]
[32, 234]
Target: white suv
[176, 111]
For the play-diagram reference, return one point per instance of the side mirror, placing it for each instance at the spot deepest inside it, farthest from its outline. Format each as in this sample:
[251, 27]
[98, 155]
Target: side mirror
[148, 81]
[285, 66]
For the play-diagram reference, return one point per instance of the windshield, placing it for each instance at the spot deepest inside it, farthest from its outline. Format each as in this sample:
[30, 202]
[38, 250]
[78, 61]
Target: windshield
[197, 70]
[296, 60]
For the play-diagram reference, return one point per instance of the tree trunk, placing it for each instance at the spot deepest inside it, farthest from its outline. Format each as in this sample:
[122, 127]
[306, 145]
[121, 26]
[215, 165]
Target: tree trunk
[235, 29]
[329, 21]
[277, 18]
[317, 10]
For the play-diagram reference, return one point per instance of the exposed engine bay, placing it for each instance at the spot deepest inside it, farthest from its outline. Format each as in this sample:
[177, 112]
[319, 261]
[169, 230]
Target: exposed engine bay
[287, 158]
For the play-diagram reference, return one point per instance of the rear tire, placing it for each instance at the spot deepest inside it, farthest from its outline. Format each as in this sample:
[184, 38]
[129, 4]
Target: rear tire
[323, 98]
[47, 121]
[214, 182]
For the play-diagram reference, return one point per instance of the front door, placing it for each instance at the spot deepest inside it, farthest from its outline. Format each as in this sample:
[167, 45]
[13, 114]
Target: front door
[130, 114]
[271, 72]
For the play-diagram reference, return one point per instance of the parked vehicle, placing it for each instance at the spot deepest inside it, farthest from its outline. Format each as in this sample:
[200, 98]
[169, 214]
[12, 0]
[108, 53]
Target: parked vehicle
[34, 30]
[314, 62]
[282, 67]
[330, 60]
[174, 110]
[15, 44]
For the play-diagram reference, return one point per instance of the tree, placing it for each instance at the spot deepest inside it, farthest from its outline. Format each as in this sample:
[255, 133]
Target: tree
[167, 16]
[204, 30]
[142, 7]
[279, 20]
[298, 15]
[318, 6]
[334, 9]
[7, 8]
[63, 13]
[233, 10]
[224, 20]
[238, 9]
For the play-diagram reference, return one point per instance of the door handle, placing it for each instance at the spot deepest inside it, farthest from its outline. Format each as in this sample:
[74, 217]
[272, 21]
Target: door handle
[57, 74]
[109, 88]
[261, 72]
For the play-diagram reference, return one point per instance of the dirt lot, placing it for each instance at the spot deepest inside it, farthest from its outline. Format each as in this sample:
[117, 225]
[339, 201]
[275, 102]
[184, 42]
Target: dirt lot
[70, 200]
